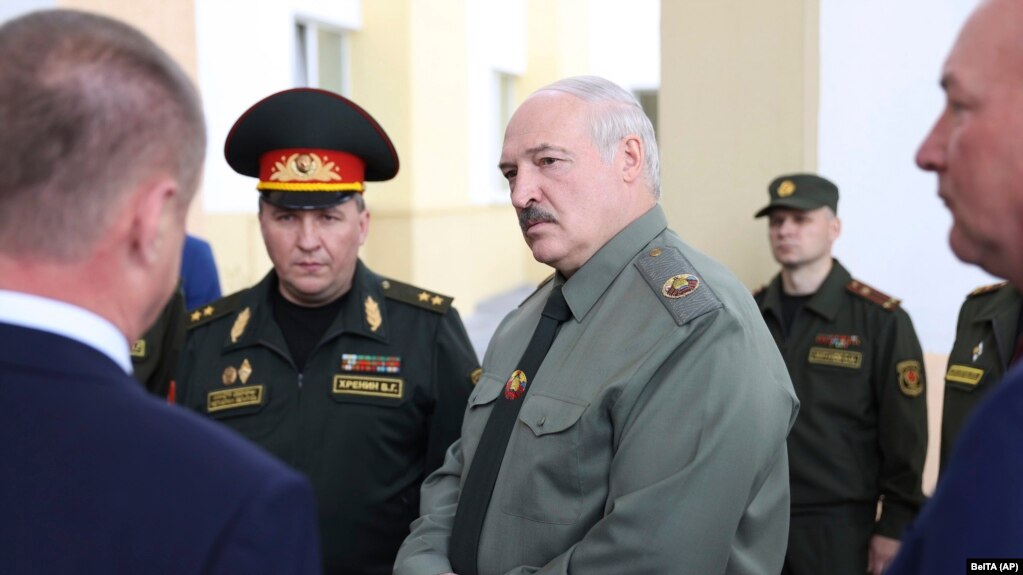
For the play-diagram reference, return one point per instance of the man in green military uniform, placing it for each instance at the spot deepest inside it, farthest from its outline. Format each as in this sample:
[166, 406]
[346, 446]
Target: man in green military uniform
[986, 335]
[359, 381]
[650, 436]
[154, 356]
[857, 367]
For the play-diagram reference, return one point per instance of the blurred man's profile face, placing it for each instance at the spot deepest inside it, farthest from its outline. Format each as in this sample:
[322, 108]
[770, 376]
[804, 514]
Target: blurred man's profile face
[799, 237]
[976, 145]
[314, 252]
[566, 196]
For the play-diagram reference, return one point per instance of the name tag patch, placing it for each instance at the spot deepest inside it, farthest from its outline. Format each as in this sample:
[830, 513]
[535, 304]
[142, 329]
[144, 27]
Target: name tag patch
[234, 398]
[389, 387]
[964, 374]
[835, 357]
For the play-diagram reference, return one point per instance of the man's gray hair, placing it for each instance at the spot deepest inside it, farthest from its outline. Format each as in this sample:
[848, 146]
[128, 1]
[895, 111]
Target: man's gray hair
[90, 108]
[621, 116]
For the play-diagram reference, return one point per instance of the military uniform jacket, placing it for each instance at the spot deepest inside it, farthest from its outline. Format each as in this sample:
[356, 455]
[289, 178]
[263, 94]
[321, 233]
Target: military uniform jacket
[985, 338]
[856, 365]
[652, 439]
[380, 400]
[154, 356]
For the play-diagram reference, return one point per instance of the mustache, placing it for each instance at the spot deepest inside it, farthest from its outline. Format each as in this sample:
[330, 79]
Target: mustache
[535, 215]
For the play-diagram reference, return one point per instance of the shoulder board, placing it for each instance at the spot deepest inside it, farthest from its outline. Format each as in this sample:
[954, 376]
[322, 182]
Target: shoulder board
[676, 284]
[416, 296]
[987, 289]
[870, 294]
[209, 312]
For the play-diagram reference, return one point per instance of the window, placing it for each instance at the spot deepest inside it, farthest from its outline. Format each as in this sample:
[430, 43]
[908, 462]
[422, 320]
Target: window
[321, 57]
[504, 107]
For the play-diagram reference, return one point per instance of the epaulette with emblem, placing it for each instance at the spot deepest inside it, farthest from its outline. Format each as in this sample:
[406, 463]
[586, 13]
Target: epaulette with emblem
[676, 284]
[987, 289]
[418, 297]
[209, 312]
[868, 293]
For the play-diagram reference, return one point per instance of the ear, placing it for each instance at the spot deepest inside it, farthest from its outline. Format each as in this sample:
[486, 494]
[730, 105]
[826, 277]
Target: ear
[631, 152]
[150, 214]
[363, 226]
[835, 229]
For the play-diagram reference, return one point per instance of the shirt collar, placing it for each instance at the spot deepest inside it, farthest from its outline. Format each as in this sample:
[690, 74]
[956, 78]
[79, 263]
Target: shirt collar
[590, 281]
[67, 320]
[826, 301]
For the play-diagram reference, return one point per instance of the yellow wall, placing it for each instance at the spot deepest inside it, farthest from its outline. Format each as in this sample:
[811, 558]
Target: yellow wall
[738, 106]
[424, 227]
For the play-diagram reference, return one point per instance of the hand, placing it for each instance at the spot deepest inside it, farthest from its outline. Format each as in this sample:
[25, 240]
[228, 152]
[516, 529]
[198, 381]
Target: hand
[882, 551]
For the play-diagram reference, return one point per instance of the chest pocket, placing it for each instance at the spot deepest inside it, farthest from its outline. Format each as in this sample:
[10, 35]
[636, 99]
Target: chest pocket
[541, 479]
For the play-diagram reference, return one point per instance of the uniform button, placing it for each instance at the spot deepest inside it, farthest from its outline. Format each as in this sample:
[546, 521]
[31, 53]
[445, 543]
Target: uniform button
[541, 421]
[386, 284]
[655, 252]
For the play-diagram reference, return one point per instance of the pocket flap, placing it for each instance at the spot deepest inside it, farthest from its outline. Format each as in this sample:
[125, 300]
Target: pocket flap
[545, 414]
[486, 391]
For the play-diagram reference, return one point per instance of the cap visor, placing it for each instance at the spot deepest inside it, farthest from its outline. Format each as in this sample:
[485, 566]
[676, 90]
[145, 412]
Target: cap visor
[801, 204]
[307, 200]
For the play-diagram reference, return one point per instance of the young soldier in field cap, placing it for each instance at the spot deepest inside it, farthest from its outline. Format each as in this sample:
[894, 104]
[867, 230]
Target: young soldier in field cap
[357, 380]
[857, 367]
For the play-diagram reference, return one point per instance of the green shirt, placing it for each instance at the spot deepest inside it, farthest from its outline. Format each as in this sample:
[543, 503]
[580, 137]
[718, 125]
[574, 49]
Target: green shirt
[652, 438]
[985, 338]
[379, 401]
[857, 368]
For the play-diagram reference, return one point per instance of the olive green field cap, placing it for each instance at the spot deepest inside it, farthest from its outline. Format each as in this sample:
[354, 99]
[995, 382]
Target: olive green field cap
[801, 192]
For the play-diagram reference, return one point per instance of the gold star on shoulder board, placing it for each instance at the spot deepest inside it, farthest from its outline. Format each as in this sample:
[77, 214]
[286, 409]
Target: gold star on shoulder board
[423, 296]
[196, 315]
[437, 300]
[207, 311]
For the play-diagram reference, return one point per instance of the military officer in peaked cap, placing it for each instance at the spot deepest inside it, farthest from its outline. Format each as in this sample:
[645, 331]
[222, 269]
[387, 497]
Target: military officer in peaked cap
[857, 367]
[359, 381]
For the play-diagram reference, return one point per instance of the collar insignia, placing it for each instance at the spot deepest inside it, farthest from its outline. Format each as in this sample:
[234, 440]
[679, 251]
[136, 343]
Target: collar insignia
[373, 314]
[239, 324]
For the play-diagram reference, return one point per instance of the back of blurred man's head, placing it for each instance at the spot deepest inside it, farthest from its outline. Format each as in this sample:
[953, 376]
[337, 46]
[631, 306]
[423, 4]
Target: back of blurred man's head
[90, 108]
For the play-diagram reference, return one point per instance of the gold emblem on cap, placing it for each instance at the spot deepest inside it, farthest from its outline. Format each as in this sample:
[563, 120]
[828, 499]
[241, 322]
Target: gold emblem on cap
[229, 376]
[786, 189]
[245, 371]
[239, 324]
[303, 168]
[373, 314]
